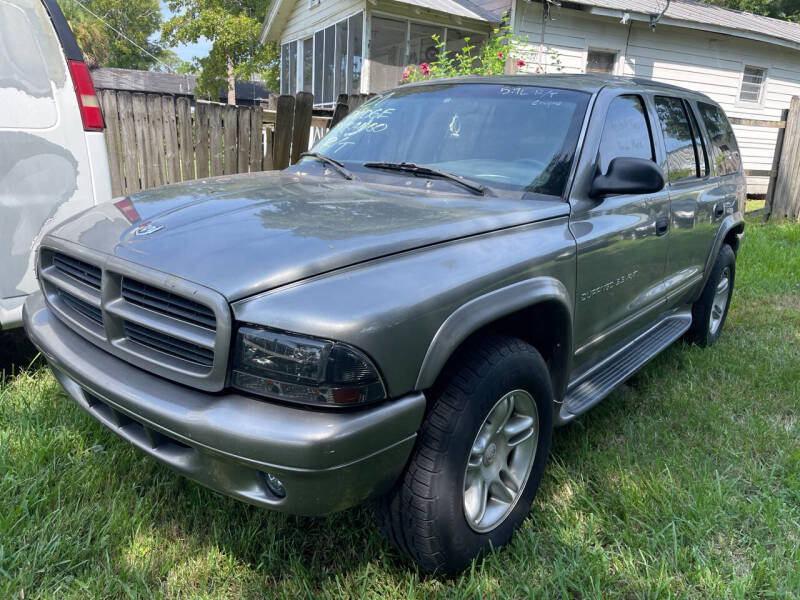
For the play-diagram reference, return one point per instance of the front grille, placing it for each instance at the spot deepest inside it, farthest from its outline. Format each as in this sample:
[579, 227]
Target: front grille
[167, 303]
[168, 326]
[77, 269]
[169, 345]
[87, 310]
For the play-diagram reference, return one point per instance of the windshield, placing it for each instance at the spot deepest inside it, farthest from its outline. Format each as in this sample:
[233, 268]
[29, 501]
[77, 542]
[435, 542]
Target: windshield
[509, 137]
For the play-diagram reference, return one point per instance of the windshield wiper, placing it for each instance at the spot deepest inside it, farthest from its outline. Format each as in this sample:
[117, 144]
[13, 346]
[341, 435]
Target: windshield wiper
[422, 170]
[331, 162]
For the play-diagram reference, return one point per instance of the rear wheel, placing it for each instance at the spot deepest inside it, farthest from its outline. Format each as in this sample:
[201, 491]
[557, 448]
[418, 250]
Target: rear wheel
[711, 309]
[479, 458]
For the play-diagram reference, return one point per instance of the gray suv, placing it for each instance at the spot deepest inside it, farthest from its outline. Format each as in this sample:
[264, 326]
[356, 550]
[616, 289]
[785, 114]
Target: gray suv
[404, 315]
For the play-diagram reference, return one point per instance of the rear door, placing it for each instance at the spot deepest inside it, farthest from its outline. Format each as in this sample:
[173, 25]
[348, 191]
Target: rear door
[691, 191]
[45, 172]
[621, 240]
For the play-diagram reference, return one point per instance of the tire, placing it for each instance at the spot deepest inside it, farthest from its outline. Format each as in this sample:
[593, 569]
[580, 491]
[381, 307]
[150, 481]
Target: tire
[425, 516]
[711, 309]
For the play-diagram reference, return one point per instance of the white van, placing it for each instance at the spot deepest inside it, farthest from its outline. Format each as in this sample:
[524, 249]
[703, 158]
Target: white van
[53, 159]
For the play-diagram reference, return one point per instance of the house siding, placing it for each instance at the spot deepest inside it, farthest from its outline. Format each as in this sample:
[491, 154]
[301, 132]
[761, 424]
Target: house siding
[707, 62]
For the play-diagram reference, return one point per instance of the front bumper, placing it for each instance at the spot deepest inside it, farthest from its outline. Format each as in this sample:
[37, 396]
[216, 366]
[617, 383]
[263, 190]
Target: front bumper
[327, 461]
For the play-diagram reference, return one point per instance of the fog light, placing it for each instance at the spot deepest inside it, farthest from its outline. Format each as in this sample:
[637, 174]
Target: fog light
[275, 486]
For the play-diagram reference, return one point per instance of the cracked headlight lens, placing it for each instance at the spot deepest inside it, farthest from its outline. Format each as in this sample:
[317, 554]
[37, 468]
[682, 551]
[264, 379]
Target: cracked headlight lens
[303, 369]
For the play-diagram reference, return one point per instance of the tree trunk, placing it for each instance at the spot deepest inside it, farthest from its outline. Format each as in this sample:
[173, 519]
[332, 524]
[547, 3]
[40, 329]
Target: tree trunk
[231, 83]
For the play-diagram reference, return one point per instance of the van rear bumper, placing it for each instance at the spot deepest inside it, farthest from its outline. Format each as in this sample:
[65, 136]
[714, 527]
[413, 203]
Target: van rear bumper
[327, 461]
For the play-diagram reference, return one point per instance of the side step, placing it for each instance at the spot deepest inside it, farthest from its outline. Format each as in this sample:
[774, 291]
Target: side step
[591, 388]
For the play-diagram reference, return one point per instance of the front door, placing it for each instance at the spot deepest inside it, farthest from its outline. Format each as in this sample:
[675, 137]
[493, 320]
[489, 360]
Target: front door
[621, 240]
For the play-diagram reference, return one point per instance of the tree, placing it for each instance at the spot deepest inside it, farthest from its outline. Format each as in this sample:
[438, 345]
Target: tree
[787, 10]
[102, 45]
[233, 27]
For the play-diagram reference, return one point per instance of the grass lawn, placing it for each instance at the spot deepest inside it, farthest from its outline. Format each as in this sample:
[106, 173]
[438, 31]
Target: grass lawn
[685, 483]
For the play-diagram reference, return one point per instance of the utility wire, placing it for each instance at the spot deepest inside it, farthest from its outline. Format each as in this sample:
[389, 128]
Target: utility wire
[118, 32]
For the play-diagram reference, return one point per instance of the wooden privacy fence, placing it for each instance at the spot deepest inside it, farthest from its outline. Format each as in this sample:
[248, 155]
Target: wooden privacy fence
[155, 139]
[783, 193]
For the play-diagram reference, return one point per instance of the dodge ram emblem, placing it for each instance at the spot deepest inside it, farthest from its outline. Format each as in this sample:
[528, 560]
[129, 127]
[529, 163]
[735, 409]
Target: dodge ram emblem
[148, 228]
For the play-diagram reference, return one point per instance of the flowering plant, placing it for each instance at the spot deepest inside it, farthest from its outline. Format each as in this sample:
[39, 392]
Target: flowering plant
[490, 59]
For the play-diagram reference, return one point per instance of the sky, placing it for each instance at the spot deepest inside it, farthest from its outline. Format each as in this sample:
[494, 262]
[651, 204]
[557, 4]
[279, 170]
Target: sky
[186, 51]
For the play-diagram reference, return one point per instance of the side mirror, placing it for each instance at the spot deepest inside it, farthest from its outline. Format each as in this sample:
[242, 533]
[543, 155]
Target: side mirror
[628, 176]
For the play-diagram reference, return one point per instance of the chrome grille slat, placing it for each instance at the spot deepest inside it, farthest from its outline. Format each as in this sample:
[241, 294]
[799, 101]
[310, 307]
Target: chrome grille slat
[168, 303]
[77, 269]
[169, 345]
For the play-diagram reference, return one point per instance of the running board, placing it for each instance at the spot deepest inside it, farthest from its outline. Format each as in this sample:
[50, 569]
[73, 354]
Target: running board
[591, 388]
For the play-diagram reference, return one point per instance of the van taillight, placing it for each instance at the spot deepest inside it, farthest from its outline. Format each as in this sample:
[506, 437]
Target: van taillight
[87, 98]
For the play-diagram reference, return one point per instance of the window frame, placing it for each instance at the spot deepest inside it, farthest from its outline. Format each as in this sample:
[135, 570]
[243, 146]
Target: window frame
[762, 90]
[713, 167]
[613, 51]
[689, 179]
[300, 40]
[648, 117]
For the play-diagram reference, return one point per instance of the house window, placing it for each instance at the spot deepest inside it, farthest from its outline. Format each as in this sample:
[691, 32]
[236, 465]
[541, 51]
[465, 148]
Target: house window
[752, 84]
[387, 52]
[355, 36]
[397, 43]
[308, 64]
[600, 61]
[288, 68]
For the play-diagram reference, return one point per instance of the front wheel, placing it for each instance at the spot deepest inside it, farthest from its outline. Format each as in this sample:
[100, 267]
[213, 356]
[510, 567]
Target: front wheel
[479, 458]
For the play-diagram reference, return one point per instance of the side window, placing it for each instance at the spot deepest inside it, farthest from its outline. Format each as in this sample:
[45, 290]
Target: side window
[682, 160]
[625, 133]
[726, 152]
[699, 143]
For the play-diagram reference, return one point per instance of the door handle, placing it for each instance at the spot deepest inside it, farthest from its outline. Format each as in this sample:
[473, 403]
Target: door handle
[662, 225]
[719, 210]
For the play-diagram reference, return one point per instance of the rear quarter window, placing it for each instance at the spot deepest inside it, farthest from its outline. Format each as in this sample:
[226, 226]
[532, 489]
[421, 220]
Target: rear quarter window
[725, 150]
[27, 44]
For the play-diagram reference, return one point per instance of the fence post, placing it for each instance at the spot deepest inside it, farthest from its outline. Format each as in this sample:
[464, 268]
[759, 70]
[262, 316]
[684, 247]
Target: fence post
[201, 138]
[156, 135]
[340, 112]
[215, 138]
[230, 128]
[256, 141]
[171, 139]
[786, 196]
[243, 154]
[128, 144]
[108, 99]
[284, 120]
[303, 109]
[776, 161]
[185, 145]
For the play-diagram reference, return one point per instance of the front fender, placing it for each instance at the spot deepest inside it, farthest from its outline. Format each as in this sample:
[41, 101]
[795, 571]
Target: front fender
[485, 309]
[395, 307]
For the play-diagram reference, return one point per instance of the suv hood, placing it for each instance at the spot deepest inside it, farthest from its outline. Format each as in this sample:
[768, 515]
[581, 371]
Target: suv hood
[245, 234]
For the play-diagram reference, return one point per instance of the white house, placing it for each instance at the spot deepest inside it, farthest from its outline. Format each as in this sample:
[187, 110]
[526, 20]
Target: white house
[749, 64]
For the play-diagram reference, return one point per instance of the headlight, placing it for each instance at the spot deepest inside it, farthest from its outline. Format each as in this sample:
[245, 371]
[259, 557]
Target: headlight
[303, 369]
